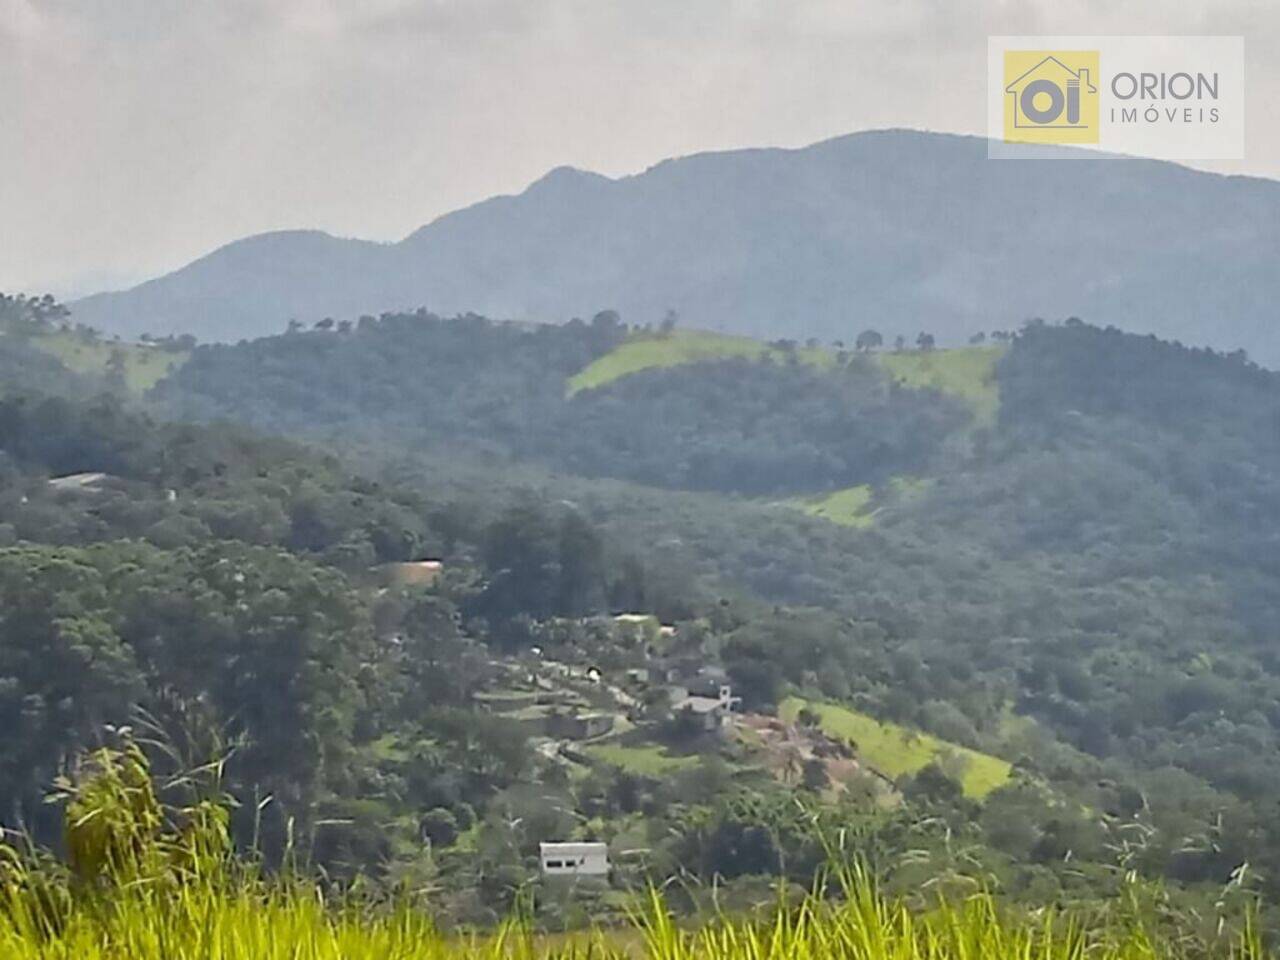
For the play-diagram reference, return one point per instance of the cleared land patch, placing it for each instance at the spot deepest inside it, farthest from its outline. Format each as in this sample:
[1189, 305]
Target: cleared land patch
[850, 507]
[646, 351]
[965, 372]
[648, 761]
[894, 751]
[144, 366]
[858, 506]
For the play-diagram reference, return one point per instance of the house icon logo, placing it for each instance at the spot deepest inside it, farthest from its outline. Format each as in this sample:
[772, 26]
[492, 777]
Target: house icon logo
[1050, 96]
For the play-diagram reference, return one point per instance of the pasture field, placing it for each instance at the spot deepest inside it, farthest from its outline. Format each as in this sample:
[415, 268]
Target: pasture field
[894, 751]
[646, 351]
[649, 760]
[965, 372]
[849, 507]
[144, 367]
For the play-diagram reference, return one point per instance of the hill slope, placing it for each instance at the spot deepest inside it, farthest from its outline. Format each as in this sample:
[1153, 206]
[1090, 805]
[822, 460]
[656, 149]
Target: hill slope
[895, 230]
[644, 352]
[751, 419]
[1084, 586]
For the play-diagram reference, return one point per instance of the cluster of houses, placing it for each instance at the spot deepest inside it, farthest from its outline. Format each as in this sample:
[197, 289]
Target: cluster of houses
[582, 702]
[563, 705]
[568, 702]
[694, 686]
[695, 689]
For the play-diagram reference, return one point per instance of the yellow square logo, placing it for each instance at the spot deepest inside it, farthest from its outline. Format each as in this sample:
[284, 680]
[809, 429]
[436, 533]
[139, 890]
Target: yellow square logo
[1051, 96]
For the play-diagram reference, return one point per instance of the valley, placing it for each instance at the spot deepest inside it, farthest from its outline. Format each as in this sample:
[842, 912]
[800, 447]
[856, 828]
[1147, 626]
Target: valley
[574, 616]
[638, 481]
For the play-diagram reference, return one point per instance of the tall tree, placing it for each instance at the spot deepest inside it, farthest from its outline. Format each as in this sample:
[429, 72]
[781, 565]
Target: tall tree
[869, 340]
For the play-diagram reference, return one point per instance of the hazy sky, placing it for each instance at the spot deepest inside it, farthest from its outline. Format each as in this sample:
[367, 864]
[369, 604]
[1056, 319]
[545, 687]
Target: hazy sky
[136, 135]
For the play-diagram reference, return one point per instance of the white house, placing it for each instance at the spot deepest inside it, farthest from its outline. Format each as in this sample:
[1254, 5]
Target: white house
[82, 482]
[574, 859]
[711, 712]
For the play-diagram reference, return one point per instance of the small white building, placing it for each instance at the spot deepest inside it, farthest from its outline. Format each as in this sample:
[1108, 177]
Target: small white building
[574, 859]
[81, 483]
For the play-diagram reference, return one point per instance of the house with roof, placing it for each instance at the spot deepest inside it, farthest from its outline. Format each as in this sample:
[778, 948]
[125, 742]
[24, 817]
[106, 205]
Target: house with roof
[84, 483]
[574, 859]
[579, 724]
[709, 714]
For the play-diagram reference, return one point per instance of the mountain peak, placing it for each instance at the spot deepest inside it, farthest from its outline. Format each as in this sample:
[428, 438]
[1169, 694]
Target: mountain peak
[566, 178]
[903, 230]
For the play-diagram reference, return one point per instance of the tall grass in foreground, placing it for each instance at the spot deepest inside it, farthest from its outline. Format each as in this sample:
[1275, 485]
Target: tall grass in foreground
[145, 883]
[291, 923]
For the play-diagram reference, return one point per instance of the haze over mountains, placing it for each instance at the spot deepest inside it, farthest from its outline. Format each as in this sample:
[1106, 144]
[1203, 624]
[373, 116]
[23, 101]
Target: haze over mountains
[900, 231]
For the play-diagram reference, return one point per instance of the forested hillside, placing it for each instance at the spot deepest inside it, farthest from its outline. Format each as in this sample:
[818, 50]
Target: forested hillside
[423, 382]
[235, 597]
[83, 472]
[1052, 633]
[1098, 558]
[864, 546]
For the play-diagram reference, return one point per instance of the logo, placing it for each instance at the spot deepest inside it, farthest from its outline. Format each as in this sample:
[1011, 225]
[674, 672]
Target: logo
[1106, 98]
[1051, 96]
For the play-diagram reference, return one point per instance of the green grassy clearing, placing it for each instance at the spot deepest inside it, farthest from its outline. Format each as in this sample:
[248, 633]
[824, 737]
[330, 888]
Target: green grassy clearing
[648, 761]
[144, 367]
[966, 372]
[643, 352]
[895, 751]
[848, 507]
[852, 506]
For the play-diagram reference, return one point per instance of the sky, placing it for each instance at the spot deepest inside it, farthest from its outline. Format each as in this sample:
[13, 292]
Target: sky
[137, 135]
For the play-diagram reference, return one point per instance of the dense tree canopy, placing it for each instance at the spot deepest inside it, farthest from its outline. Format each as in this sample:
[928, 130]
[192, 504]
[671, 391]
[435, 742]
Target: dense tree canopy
[424, 383]
[1085, 586]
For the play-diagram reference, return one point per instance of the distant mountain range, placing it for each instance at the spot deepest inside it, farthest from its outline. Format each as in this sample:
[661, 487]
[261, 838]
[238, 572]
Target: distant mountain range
[898, 231]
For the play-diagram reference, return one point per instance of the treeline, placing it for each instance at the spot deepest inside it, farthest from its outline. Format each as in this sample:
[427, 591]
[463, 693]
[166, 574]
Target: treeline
[410, 379]
[424, 383]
